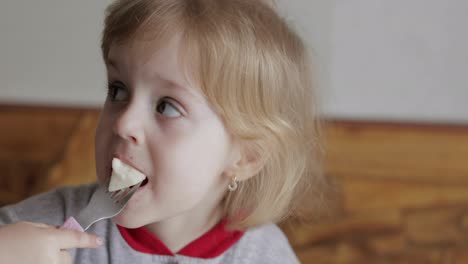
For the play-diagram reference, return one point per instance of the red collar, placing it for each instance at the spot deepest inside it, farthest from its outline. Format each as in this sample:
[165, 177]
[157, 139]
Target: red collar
[212, 244]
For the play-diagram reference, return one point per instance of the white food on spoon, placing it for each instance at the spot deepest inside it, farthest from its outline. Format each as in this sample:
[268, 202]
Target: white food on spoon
[123, 176]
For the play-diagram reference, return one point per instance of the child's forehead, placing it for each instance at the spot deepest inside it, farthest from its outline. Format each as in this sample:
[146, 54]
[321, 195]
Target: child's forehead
[144, 48]
[143, 51]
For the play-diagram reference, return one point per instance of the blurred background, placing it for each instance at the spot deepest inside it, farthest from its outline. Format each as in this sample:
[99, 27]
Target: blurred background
[394, 89]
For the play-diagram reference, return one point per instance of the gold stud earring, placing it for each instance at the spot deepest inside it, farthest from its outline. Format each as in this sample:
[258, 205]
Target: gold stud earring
[233, 184]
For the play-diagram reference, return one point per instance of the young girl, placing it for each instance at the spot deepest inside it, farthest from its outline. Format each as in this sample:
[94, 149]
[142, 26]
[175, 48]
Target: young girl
[212, 101]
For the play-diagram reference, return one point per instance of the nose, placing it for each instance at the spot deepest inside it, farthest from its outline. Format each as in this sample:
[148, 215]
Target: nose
[128, 124]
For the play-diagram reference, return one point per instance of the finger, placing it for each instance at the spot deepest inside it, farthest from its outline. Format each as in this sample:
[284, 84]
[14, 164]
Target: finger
[41, 225]
[68, 239]
[65, 257]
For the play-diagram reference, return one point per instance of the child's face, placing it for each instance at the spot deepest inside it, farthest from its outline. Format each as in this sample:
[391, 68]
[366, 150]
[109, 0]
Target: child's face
[157, 121]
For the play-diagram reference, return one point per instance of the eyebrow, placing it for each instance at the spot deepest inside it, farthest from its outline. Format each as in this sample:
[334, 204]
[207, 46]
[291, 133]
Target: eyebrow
[111, 63]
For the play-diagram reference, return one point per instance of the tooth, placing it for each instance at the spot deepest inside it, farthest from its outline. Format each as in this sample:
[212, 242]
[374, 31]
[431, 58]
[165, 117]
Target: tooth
[123, 176]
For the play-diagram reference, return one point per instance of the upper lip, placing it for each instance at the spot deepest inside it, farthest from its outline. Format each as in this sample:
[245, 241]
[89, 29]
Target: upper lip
[128, 162]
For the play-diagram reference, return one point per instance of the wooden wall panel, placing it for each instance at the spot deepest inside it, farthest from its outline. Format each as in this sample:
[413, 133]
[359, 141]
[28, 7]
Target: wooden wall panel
[418, 153]
[41, 148]
[404, 186]
[405, 195]
[35, 134]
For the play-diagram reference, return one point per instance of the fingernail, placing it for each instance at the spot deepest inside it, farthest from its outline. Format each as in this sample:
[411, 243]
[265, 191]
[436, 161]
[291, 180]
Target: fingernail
[99, 241]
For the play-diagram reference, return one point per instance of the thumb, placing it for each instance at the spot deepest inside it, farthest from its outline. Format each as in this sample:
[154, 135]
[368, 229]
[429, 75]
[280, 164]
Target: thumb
[68, 239]
[40, 225]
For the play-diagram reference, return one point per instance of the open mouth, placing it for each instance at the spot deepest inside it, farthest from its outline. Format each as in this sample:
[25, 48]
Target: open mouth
[145, 181]
[124, 176]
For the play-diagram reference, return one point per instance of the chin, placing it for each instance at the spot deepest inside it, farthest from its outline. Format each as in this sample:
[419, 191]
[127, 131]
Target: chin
[128, 221]
[128, 224]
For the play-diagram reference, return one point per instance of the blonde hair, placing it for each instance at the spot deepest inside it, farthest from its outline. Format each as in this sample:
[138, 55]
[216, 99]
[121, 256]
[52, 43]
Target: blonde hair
[255, 71]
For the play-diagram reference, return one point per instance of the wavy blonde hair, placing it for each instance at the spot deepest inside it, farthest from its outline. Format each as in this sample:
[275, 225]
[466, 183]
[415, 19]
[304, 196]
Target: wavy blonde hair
[255, 71]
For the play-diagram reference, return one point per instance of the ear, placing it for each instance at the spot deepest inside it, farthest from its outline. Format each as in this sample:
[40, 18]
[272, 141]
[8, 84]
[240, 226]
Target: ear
[246, 160]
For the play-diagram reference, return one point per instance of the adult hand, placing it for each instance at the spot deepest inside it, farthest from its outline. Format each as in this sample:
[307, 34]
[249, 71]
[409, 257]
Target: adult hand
[26, 242]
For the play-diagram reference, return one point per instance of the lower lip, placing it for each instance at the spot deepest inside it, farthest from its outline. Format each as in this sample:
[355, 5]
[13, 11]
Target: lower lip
[143, 187]
[137, 194]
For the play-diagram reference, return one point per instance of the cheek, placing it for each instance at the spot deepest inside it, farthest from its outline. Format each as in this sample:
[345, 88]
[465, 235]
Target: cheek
[104, 128]
[101, 142]
[195, 160]
[100, 137]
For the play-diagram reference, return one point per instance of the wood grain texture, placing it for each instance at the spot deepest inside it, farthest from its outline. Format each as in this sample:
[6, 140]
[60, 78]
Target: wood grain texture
[410, 152]
[35, 134]
[405, 195]
[404, 186]
[77, 163]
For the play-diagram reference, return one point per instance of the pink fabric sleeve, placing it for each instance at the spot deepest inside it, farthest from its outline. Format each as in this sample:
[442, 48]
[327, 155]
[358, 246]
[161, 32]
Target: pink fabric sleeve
[72, 224]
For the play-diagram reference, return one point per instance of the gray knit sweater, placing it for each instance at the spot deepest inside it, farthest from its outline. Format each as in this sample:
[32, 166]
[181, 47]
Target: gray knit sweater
[265, 244]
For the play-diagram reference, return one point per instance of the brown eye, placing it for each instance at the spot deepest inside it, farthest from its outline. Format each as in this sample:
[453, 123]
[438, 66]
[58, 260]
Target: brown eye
[167, 109]
[117, 92]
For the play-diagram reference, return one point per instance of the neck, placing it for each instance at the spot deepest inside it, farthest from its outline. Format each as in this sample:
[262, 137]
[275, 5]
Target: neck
[179, 231]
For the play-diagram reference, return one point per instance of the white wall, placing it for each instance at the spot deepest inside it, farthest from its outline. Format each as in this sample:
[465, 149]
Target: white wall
[400, 59]
[49, 52]
[378, 59]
